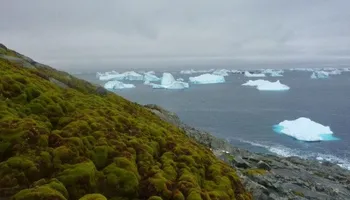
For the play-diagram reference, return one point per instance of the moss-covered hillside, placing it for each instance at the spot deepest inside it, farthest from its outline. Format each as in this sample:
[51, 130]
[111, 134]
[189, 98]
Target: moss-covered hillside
[64, 138]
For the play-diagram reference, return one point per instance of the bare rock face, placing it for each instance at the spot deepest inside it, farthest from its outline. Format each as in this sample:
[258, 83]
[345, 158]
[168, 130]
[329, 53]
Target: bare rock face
[273, 177]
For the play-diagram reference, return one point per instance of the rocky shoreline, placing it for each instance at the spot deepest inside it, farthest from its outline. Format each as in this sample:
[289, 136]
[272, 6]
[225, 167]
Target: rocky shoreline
[270, 177]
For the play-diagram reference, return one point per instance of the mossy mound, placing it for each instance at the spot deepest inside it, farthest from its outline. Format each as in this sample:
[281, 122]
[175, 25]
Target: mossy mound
[65, 142]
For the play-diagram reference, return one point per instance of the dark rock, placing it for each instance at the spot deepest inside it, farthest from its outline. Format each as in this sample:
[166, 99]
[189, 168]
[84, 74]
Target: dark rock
[58, 83]
[101, 91]
[3, 47]
[240, 163]
[263, 165]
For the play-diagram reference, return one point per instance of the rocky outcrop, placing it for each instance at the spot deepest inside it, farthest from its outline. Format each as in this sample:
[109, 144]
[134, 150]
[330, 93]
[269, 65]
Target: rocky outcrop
[272, 177]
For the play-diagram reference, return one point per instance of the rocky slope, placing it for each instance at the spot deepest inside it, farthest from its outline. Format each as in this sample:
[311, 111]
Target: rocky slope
[269, 176]
[64, 138]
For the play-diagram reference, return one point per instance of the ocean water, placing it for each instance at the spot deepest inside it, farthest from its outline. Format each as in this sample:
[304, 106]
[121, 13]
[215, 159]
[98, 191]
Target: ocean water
[245, 116]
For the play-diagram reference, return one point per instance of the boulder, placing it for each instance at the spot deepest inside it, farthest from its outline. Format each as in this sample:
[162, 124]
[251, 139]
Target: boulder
[240, 163]
[263, 165]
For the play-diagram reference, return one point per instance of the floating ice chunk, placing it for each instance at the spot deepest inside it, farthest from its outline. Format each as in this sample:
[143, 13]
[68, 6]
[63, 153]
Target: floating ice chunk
[272, 86]
[255, 82]
[132, 76]
[319, 74]
[265, 85]
[107, 75]
[221, 72]
[150, 77]
[191, 71]
[207, 79]
[305, 129]
[169, 82]
[334, 72]
[234, 71]
[180, 79]
[114, 85]
[248, 74]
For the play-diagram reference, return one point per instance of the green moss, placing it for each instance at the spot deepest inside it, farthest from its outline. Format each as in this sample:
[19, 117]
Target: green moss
[194, 195]
[121, 181]
[43, 193]
[93, 197]
[100, 156]
[93, 141]
[79, 179]
[298, 193]
[255, 172]
[155, 198]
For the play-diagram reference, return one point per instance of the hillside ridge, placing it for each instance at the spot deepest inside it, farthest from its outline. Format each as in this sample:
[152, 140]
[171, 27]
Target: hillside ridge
[64, 138]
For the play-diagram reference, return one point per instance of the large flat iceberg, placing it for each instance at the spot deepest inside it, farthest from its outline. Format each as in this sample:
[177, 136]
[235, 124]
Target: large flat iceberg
[113, 75]
[305, 129]
[169, 82]
[255, 75]
[115, 85]
[265, 85]
[207, 79]
[192, 71]
[272, 86]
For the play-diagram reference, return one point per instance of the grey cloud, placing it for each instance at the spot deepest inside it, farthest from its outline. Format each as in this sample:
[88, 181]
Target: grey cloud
[65, 32]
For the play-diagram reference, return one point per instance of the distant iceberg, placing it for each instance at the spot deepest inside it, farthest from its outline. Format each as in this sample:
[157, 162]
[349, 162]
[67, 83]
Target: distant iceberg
[273, 72]
[115, 85]
[132, 76]
[305, 129]
[248, 74]
[150, 77]
[192, 71]
[113, 75]
[335, 72]
[180, 79]
[107, 75]
[234, 71]
[169, 82]
[221, 72]
[207, 79]
[265, 85]
[319, 74]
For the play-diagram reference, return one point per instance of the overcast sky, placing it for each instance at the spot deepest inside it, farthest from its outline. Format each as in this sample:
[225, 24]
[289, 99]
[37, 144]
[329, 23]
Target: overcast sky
[68, 32]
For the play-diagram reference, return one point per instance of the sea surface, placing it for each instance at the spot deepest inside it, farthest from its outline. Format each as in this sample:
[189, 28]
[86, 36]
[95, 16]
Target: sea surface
[245, 116]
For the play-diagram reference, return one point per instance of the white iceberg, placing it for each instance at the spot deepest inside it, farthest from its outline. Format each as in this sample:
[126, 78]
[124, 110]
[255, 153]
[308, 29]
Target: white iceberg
[132, 76]
[180, 79]
[305, 129]
[248, 74]
[113, 75]
[207, 79]
[107, 75]
[115, 85]
[150, 77]
[169, 82]
[234, 71]
[221, 72]
[265, 85]
[334, 72]
[191, 71]
[255, 82]
[319, 75]
[272, 86]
